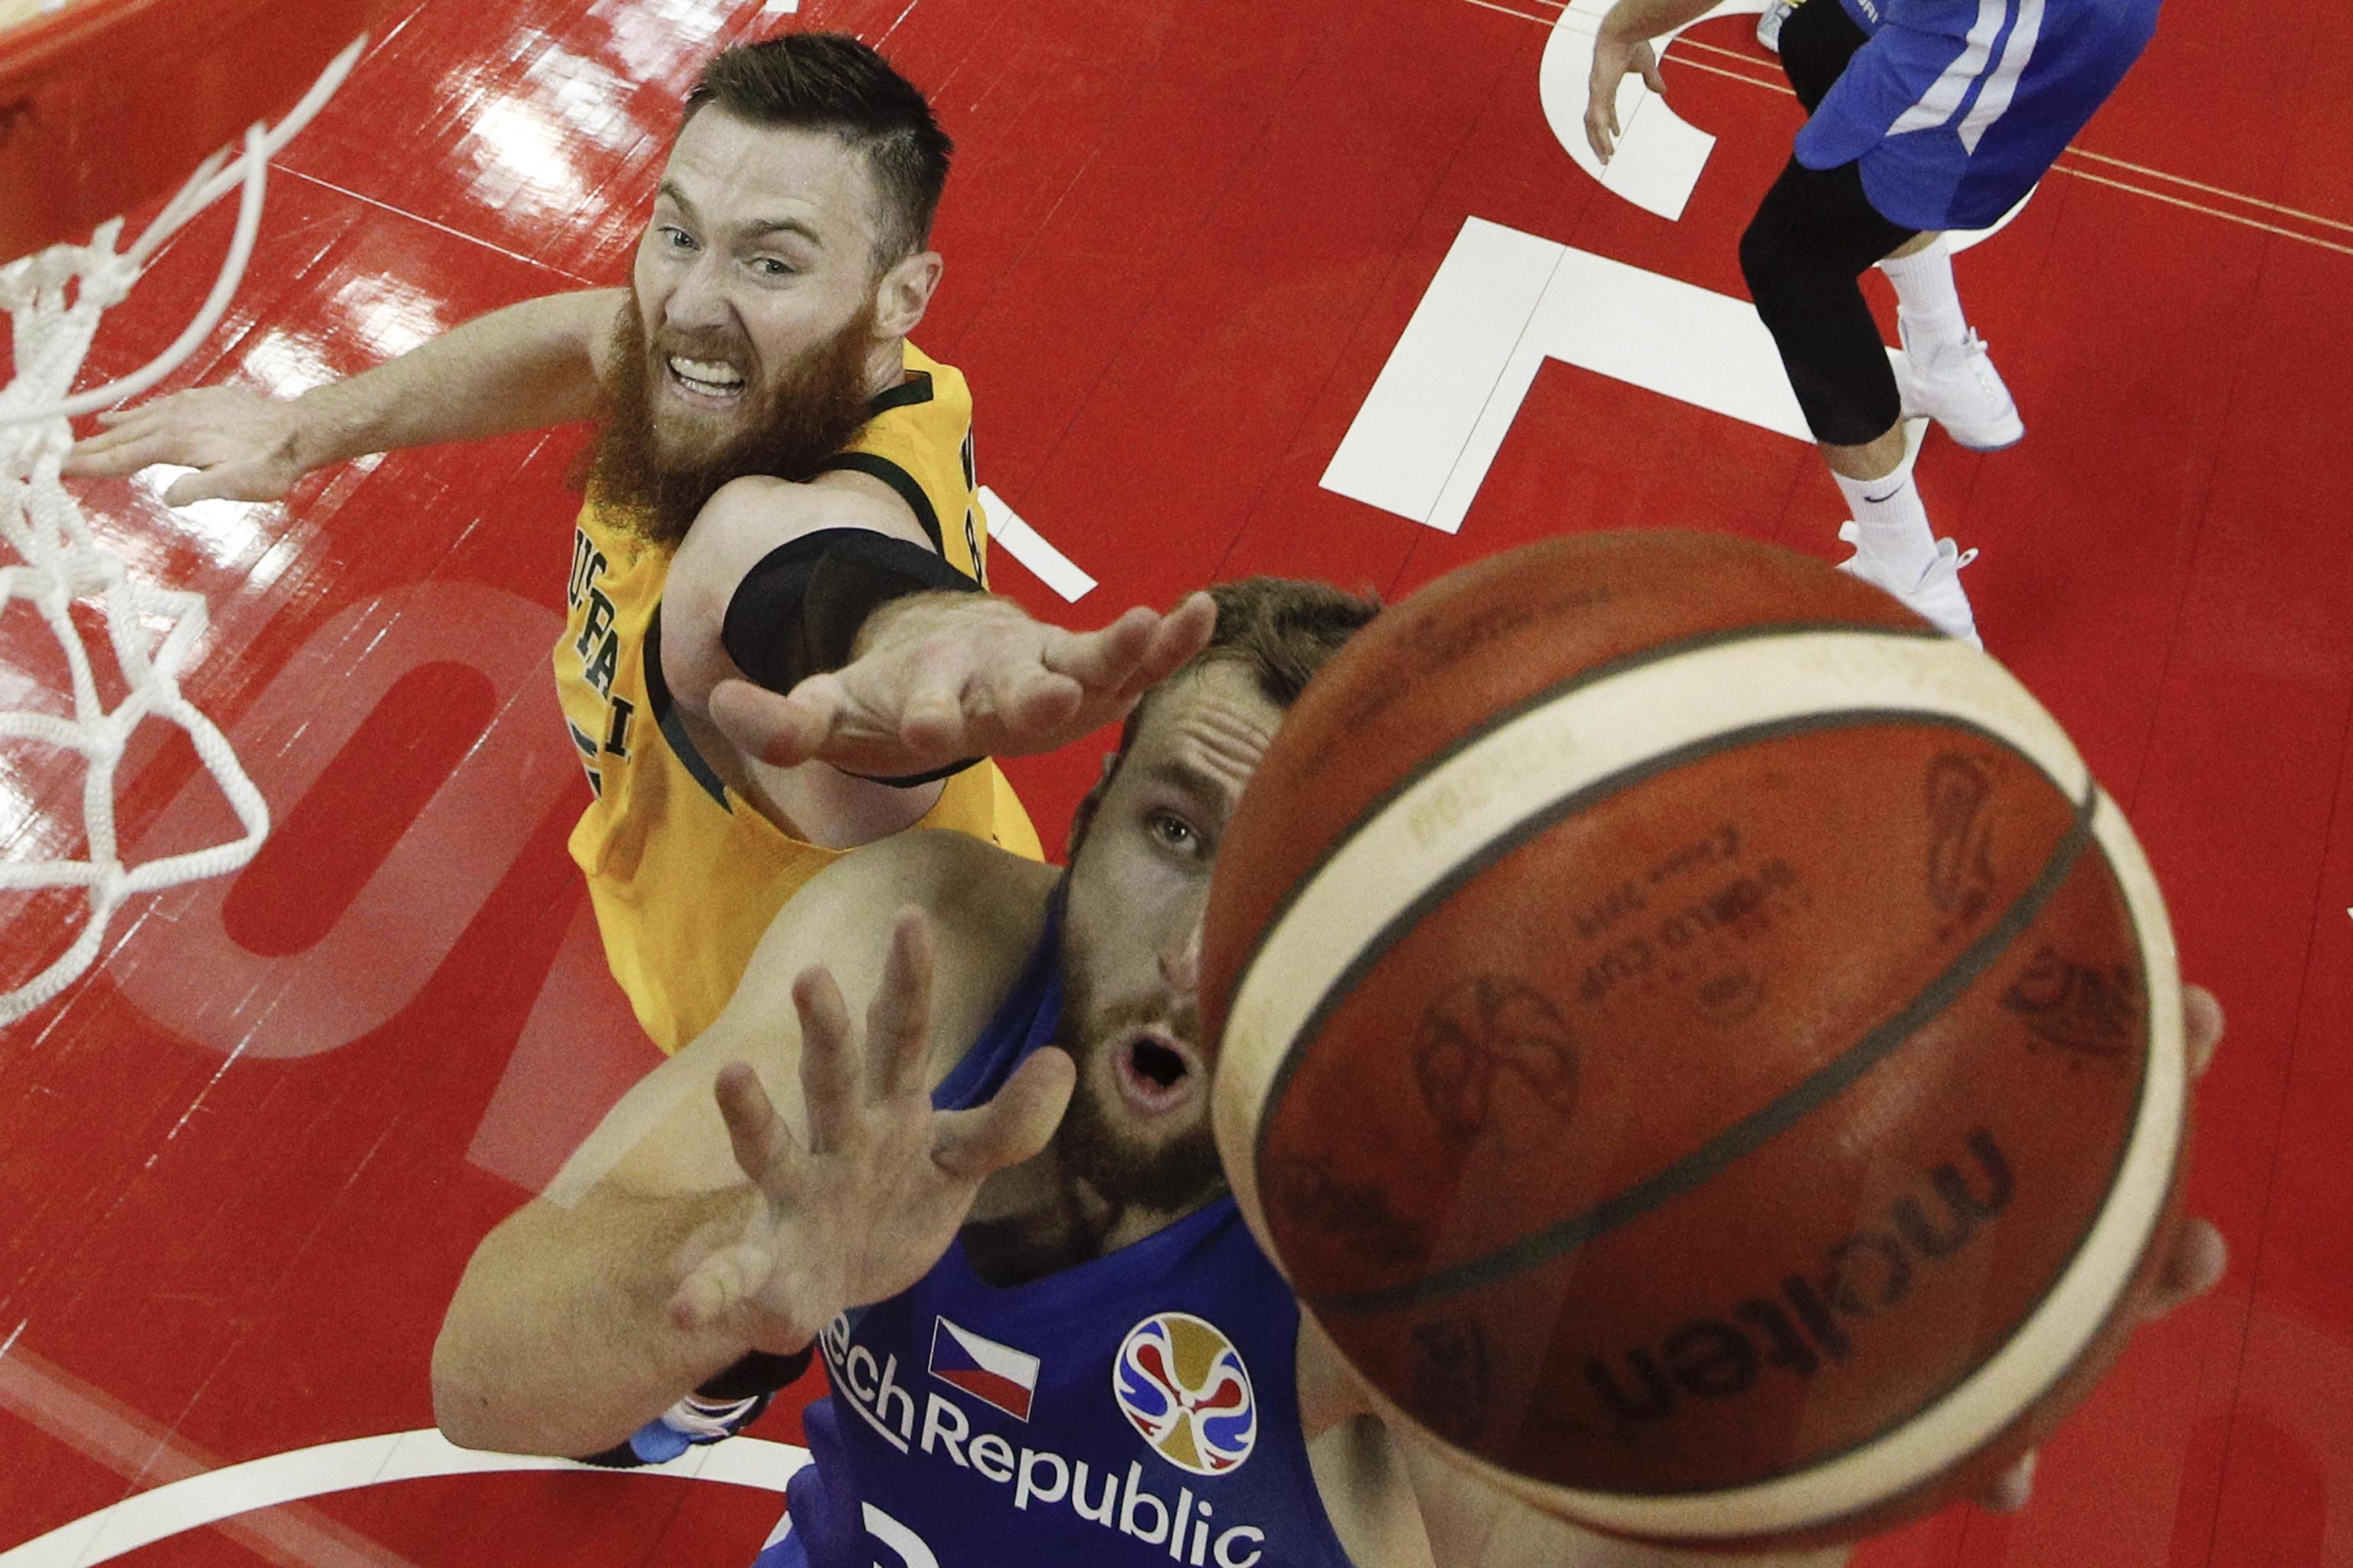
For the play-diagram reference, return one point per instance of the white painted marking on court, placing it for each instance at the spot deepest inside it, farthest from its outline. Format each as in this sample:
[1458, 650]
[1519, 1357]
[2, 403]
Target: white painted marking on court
[1031, 548]
[108, 1432]
[1501, 304]
[1427, 403]
[1659, 154]
[206, 1500]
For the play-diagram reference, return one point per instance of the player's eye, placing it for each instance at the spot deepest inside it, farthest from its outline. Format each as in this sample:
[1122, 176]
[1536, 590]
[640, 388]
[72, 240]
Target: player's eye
[1172, 832]
[676, 238]
[773, 267]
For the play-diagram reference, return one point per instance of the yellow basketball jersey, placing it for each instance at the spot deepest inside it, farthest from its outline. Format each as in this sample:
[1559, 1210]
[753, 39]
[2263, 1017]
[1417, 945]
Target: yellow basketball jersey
[684, 872]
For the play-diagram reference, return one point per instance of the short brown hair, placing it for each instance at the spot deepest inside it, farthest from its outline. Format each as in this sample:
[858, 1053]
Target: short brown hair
[833, 83]
[1283, 629]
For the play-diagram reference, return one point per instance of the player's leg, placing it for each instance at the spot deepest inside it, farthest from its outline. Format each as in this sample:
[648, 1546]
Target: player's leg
[1946, 374]
[1804, 254]
[1815, 42]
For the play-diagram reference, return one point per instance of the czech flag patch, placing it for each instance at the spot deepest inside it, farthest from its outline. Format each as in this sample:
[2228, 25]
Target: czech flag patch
[991, 1373]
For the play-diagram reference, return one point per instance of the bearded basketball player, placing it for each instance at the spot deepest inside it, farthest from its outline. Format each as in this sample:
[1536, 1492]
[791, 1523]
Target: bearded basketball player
[780, 474]
[998, 1213]
[781, 478]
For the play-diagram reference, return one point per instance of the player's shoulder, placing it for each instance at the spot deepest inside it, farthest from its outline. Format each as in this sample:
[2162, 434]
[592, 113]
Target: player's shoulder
[763, 505]
[987, 905]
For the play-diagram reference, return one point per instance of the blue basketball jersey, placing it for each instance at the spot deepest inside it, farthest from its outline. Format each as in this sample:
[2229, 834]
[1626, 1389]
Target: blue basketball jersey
[1140, 1409]
[1955, 108]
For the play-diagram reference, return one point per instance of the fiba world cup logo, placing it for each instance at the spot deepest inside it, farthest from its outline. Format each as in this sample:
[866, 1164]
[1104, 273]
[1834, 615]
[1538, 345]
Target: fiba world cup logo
[1182, 1384]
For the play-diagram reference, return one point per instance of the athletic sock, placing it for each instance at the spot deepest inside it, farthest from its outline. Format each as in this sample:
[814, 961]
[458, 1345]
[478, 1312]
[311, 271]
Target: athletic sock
[1891, 524]
[1926, 301]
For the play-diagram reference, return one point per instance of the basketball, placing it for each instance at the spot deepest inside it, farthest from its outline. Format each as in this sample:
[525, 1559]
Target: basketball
[1697, 1040]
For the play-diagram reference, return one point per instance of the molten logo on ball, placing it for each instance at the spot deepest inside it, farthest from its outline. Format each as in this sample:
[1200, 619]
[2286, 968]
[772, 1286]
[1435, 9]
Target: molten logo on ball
[1182, 1384]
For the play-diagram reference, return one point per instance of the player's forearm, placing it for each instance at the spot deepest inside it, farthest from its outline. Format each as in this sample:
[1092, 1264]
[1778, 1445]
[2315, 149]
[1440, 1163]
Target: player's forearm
[521, 368]
[1633, 19]
[559, 1340]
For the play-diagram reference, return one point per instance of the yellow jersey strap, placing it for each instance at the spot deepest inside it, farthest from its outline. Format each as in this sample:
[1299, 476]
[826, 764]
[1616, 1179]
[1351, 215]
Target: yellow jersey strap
[917, 440]
[874, 466]
[673, 728]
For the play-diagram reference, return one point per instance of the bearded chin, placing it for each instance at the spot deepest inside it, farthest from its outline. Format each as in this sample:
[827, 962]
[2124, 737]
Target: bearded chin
[1162, 1175]
[1124, 1172]
[791, 427]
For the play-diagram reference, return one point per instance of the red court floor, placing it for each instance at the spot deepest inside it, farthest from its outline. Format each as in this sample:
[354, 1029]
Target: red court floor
[245, 1159]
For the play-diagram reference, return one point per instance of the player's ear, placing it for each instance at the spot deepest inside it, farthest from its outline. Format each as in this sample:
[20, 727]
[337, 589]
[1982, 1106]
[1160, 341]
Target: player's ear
[904, 294]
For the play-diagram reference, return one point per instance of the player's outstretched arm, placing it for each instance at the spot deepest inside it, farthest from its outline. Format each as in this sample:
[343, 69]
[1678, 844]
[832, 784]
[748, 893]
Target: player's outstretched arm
[936, 678]
[806, 640]
[1469, 1523]
[860, 1206]
[782, 1166]
[528, 365]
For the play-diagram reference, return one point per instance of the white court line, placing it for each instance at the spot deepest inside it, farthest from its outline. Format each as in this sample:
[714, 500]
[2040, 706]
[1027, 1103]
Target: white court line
[206, 1500]
[1501, 304]
[102, 1428]
[1029, 547]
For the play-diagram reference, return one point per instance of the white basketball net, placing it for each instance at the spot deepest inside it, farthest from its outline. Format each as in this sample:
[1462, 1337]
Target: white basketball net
[53, 301]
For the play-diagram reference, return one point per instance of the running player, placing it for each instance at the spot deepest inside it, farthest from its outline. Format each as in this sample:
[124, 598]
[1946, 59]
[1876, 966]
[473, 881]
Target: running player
[1000, 1216]
[1927, 115]
[776, 461]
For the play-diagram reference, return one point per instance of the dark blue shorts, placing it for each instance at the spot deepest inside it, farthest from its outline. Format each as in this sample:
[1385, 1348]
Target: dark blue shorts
[1955, 108]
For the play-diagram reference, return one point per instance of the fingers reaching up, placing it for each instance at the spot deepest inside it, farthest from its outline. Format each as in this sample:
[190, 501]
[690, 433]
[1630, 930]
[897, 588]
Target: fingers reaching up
[864, 1205]
[1015, 1126]
[2202, 1026]
[964, 678]
[243, 446]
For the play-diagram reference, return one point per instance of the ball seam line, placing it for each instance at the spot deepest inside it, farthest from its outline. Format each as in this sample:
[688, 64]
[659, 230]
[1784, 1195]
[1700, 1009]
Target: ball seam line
[1588, 738]
[1567, 686]
[1745, 1136]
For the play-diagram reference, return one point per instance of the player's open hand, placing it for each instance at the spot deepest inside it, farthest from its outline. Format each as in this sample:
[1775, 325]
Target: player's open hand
[1615, 55]
[243, 446]
[867, 1204]
[942, 676]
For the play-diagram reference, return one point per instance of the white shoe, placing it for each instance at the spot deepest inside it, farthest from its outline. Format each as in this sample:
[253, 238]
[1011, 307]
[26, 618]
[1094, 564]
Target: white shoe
[1769, 25]
[1957, 385]
[1937, 597]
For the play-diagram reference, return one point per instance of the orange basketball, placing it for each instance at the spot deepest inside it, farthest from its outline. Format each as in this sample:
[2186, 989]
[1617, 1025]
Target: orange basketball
[1698, 1041]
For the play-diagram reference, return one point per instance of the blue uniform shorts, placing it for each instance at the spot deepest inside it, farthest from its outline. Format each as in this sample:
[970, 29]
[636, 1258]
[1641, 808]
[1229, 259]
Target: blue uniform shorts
[1955, 108]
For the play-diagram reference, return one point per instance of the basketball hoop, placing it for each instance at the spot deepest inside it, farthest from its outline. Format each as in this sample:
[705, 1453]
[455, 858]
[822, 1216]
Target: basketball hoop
[81, 137]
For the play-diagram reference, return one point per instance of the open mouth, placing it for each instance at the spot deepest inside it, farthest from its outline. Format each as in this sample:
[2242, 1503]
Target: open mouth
[711, 384]
[1158, 1073]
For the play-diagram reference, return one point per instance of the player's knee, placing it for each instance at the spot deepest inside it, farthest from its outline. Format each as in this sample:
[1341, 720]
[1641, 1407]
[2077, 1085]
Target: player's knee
[1771, 272]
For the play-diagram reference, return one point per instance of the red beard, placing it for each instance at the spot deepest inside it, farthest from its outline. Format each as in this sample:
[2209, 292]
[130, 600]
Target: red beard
[789, 426]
